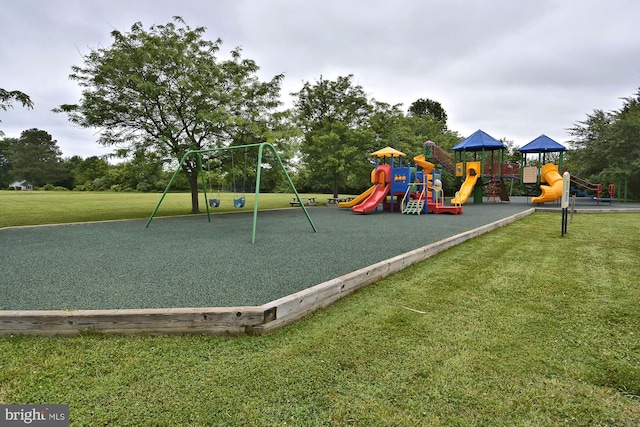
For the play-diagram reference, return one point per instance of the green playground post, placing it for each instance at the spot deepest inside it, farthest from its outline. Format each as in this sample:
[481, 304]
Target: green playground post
[286, 174]
[204, 186]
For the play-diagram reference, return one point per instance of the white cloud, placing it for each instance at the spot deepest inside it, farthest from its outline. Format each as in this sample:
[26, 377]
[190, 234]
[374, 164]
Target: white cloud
[513, 69]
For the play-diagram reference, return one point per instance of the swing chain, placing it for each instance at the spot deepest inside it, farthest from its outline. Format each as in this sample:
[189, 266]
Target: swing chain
[214, 203]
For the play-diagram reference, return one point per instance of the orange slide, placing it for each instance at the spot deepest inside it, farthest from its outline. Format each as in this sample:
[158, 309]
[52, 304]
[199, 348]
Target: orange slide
[552, 191]
[381, 189]
[361, 198]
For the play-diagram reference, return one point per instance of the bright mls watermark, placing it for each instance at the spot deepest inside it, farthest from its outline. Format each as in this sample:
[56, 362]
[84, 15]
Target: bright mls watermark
[34, 415]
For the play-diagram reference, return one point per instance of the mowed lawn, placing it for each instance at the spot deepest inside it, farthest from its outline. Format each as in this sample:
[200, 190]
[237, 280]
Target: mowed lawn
[52, 207]
[519, 327]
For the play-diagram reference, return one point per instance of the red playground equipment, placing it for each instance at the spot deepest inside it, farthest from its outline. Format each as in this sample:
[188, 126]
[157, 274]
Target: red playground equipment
[399, 188]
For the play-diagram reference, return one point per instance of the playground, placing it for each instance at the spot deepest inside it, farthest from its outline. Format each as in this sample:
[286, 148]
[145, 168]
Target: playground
[210, 273]
[479, 162]
[187, 263]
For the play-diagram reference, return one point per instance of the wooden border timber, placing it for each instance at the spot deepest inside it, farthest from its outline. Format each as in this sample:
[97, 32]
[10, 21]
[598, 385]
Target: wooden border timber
[226, 320]
[220, 321]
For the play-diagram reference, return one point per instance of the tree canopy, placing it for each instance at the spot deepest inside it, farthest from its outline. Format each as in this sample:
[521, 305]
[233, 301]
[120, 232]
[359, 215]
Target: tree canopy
[334, 117]
[428, 107]
[607, 145]
[8, 97]
[36, 157]
[164, 90]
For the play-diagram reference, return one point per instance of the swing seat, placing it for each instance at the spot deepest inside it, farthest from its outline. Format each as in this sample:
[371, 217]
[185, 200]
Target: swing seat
[238, 202]
[214, 203]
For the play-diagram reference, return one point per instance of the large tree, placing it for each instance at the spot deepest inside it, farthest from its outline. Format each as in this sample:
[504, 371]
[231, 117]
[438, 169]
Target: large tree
[36, 157]
[408, 133]
[334, 116]
[163, 90]
[428, 107]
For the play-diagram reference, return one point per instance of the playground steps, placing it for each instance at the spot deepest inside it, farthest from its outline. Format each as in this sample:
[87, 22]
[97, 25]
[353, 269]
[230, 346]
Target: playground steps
[447, 161]
[414, 207]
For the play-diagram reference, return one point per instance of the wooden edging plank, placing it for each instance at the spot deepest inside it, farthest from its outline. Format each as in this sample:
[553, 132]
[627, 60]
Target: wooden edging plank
[226, 320]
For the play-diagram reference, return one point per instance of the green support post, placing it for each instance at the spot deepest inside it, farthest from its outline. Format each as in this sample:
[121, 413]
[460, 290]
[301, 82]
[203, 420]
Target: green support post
[204, 186]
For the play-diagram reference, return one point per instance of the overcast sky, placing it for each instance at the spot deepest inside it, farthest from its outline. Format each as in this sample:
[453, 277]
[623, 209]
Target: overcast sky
[513, 68]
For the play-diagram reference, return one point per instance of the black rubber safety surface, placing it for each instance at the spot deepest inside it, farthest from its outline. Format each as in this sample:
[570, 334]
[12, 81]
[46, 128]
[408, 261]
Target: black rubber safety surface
[190, 262]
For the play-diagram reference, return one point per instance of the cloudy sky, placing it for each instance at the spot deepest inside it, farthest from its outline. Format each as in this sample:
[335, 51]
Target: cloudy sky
[513, 68]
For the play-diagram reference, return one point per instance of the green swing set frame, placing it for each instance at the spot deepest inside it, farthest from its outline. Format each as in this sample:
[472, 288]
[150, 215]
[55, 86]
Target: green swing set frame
[261, 147]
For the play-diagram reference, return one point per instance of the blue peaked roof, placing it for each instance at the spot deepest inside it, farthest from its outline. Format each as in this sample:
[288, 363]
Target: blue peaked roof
[479, 141]
[542, 144]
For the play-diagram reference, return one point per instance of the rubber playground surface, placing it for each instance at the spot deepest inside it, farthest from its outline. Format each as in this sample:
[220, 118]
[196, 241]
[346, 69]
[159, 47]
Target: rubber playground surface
[190, 262]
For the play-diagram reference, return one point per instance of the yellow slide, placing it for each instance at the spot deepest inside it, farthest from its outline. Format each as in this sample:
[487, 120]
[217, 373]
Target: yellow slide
[357, 200]
[553, 191]
[465, 190]
[423, 163]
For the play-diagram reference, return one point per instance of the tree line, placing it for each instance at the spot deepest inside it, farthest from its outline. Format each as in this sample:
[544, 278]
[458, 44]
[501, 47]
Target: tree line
[157, 93]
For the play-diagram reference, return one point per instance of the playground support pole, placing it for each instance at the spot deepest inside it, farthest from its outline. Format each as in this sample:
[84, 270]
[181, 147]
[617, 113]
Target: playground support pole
[284, 171]
[166, 190]
[566, 182]
[204, 186]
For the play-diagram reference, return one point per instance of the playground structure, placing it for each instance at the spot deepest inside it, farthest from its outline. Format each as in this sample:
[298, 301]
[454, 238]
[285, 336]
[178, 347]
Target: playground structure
[543, 172]
[478, 161]
[495, 172]
[484, 175]
[472, 173]
[238, 202]
[400, 188]
[548, 176]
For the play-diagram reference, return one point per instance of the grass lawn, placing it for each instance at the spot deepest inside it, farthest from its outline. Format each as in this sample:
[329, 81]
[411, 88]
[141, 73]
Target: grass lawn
[54, 207]
[518, 327]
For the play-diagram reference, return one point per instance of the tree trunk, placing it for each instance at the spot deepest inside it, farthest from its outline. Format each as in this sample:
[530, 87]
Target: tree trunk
[336, 179]
[193, 183]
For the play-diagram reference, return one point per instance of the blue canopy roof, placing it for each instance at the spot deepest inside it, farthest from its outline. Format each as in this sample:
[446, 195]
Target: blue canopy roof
[542, 144]
[479, 141]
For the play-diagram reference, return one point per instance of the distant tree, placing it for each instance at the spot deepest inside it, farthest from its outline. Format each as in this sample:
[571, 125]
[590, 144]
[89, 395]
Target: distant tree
[428, 107]
[624, 153]
[409, 133]
[142, 173]
[607, 145]
[286, 136]
[36, 157]
[163, 90]
[334, 117]
[86, 171]
[8, 97]
[5, 161]
[591, 138]
[511, 154]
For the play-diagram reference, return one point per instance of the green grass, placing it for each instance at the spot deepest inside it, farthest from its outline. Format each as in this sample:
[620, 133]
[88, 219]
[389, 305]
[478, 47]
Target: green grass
[54, 207]
[519, 327]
